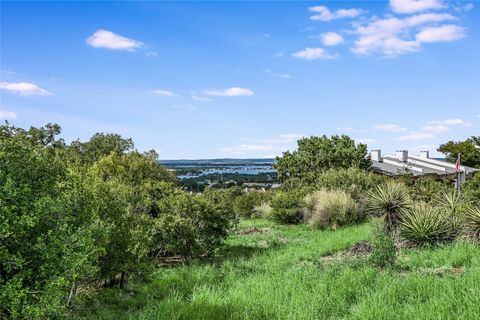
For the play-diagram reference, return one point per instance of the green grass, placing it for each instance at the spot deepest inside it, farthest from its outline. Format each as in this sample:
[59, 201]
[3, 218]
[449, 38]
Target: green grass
[280, 275]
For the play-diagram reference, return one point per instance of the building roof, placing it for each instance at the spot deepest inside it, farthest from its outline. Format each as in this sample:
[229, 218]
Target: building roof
[394, 164]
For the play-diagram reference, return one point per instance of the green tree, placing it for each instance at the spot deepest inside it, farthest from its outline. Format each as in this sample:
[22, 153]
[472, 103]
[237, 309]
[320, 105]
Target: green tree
[315, 155]
[48, 229]
[468, 149]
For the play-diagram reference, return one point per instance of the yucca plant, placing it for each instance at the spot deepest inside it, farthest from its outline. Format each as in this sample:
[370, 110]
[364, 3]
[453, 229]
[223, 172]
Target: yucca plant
[472, 223]
[390, 200]
[454, 204]
[424, 224]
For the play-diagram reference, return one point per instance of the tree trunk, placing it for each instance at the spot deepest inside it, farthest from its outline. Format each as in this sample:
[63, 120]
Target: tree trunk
[122, 279]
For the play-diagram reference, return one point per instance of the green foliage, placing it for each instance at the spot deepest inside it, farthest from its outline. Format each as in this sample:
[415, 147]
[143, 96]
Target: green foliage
[330, 209]
[287, 207]
[73, 214]
[469, 150]
[425, 224]
[263, 210]
[315, 155]
[384, 250]
[424, 189]
[245, 204]
[190, 225]
[49, 232]
[472, 223]
[453, 204]
[356, 182]
[389, 200]
[471, 189]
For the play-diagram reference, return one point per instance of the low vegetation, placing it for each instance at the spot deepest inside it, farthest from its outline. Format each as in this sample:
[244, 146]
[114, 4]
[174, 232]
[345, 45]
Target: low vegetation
[97, 229]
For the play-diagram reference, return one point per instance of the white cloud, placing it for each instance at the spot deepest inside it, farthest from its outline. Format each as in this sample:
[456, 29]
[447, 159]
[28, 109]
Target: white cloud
[416, 136]
[230, 92]
[448, 122]
[313, 54]
[478, 115]
[109, 40]
[7, 115]
[365, 140]
[242, 149]
[322, 13]
[350, 129]
[412, 6]
[464, 8]
[278, 75]
[24, 88]
[393, 36]
[163, 93]
[448, 32]
[331, 38]
[201, 99]
[435, 128]
[390, 127]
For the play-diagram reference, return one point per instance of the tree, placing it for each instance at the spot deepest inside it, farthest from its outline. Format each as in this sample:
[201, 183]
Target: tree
[468, 149]
[48, 230]
[100, 145]
[315, 155]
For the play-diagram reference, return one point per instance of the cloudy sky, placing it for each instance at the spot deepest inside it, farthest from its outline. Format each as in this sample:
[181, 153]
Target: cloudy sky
[244, 79]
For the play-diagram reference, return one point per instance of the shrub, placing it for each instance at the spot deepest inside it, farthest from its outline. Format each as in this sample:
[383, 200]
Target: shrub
[471, 188]
[424, 189]
[424, 224]
[190, 225]
[244, 204]
[262, 211]
[390, 200]
[384, 251]
[454, 205]
[287, 207]
[356, 182]
[472, 223]
[330, 209]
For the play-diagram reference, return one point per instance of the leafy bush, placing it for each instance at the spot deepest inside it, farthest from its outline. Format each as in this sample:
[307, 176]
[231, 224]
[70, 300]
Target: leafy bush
[356, 182]
[471, 188]
[390, 200]
[287, 207]
[190, 225]
[424, 189]
[330, 209]
[472, 223]
[244, 204]
[384, 251]
[424, 224]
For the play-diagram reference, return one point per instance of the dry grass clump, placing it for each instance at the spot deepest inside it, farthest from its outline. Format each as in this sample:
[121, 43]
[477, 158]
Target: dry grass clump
[330, 209]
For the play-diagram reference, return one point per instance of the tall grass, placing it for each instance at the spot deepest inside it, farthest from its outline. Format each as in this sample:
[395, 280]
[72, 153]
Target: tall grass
[330, 209]
[283, 274]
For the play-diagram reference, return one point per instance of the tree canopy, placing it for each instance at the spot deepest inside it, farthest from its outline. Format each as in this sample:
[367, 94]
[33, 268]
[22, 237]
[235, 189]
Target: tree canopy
[315, 155]
[468, 149]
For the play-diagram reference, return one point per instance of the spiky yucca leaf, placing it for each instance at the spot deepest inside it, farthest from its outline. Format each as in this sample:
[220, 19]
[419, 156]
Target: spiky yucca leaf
[472, 223]
[389, 199]
[424, 224]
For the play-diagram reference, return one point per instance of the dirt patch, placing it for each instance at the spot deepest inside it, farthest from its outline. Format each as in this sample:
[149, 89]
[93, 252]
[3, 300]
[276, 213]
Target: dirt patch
[362, 248]
[254, 230]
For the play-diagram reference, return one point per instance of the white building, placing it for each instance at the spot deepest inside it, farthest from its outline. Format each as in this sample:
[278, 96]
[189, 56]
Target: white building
[419, 165]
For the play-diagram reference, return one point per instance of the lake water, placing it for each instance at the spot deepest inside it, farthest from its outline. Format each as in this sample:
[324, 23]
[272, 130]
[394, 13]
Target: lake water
[232, 169]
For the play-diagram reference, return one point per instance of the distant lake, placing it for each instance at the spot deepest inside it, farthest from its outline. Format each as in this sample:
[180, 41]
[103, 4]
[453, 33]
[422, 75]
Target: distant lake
[250, 169]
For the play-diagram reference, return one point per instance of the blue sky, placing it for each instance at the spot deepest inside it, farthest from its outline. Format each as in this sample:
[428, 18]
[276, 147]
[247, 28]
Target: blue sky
[244, 79]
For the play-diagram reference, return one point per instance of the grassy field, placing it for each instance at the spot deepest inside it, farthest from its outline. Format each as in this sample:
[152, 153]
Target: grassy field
[288, 273]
